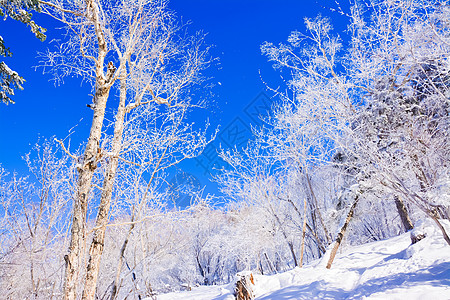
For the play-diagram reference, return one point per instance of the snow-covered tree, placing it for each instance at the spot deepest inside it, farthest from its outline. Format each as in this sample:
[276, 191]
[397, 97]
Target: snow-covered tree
[138, 45]
[376, 111]
[400, 66]
[34, 224]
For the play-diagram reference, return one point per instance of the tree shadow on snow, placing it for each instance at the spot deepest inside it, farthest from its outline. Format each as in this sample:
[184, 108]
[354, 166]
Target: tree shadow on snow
[438, 276]
[315, 290]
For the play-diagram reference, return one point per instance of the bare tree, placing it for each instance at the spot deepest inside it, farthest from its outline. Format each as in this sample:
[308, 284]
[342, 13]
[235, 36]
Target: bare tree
[402, 133]
[382, 117]
[34, 223]
[154, 64]
[260, 178]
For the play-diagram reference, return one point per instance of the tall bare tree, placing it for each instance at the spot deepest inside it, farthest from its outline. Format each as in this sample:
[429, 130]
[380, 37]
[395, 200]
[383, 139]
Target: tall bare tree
[138, 44]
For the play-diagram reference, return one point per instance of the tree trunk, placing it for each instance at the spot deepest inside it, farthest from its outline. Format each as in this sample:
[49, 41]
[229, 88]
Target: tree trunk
[444, 232]
[404, 216]
[341, 233]
[290, 244]
[291, 247]
[115, 287]
[316, 206]
[90, 160]
[313, 233]
[85, 174]
[272, 269]
[302, 248]
[97, 245]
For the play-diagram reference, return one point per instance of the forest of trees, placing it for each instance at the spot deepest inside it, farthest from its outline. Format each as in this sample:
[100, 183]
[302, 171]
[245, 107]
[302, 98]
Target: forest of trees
[355, 150]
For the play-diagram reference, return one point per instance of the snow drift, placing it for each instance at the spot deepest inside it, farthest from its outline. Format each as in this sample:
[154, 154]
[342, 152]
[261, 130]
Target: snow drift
[389, 269]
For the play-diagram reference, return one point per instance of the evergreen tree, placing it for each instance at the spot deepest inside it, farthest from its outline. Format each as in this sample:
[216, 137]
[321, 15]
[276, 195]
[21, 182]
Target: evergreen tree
[18, 10]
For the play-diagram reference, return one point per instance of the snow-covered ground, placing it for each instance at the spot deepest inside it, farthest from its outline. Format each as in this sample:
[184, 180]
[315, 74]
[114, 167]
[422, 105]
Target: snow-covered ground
[390, 269]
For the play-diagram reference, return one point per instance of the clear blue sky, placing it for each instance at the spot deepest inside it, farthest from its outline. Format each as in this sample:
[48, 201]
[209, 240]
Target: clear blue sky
[235, 28]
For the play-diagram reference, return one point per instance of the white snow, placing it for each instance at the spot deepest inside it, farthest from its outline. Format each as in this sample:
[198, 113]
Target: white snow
[389, 269]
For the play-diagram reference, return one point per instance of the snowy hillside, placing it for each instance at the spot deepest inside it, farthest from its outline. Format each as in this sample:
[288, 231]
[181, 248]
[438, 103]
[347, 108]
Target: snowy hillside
[390, 269]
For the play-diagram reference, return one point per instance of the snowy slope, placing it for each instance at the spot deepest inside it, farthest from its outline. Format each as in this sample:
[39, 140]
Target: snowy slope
[390, 269]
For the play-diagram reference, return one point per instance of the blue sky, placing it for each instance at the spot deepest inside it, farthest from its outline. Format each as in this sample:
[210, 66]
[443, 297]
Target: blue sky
[236, 29]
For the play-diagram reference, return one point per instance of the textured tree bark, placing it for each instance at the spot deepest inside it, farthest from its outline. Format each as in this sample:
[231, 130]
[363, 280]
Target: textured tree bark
[89, 163]
[244, 287]
[404, 216]
[341, 233]
[97, 245]
[85, 174]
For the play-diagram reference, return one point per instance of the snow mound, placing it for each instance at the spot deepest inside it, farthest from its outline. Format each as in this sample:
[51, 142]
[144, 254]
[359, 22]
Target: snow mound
[389, 269]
